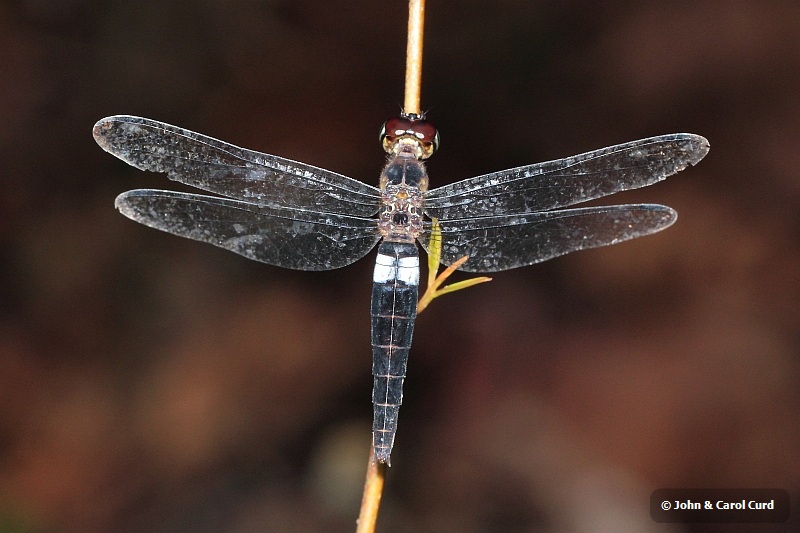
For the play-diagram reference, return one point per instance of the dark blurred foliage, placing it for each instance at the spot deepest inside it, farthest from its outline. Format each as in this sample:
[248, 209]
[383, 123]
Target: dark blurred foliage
[148, 383]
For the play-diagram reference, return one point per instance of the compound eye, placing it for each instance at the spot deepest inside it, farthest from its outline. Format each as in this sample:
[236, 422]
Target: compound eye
[393, 129]
[427, 134]
[410, 126]
[423, 130]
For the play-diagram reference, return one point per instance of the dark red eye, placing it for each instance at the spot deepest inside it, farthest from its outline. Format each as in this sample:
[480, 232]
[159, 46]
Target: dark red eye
[397, 126]
[410, 126]
[424, 131]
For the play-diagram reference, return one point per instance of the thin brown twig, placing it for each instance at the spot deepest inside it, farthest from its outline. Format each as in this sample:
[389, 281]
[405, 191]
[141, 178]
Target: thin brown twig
[371, 499]
[416, 22]
[376, 471]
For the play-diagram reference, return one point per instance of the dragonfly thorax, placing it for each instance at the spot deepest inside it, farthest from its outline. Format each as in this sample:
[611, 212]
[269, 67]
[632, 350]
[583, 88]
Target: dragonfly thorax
[402, 183]
[401, 214]
[404, 169]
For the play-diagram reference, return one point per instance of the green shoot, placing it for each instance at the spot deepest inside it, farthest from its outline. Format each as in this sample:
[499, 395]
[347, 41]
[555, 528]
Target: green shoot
[434, 282]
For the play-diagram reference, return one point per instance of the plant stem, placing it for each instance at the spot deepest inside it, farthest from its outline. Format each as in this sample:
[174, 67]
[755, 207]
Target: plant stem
[371, 499]
[416, 22]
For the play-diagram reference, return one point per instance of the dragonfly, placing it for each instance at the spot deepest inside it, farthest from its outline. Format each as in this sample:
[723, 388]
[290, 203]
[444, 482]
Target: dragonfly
[294, 215]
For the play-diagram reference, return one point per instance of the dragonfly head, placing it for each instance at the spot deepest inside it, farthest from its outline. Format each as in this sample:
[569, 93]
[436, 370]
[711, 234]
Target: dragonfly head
[409, 132]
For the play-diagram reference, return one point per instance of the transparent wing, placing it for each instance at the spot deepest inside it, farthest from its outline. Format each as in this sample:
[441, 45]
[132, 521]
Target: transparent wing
[511, 241]
[564, 182]
[225, 169]
[302, 240]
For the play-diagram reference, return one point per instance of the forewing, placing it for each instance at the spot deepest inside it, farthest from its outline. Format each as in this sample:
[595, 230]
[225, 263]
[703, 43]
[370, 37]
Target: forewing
[222, 168]
[564, 182]
[511, 241]
[302, 240]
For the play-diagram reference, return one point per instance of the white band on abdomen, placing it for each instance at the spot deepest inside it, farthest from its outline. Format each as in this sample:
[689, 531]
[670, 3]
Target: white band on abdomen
[389, 268]
[385, 267]
[408, 270]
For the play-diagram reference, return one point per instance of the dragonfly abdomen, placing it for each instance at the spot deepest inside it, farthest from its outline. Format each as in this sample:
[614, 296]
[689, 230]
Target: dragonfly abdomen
[394, 309]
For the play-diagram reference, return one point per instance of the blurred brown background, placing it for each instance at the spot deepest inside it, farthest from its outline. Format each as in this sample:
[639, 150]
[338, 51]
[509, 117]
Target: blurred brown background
[150, 383]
